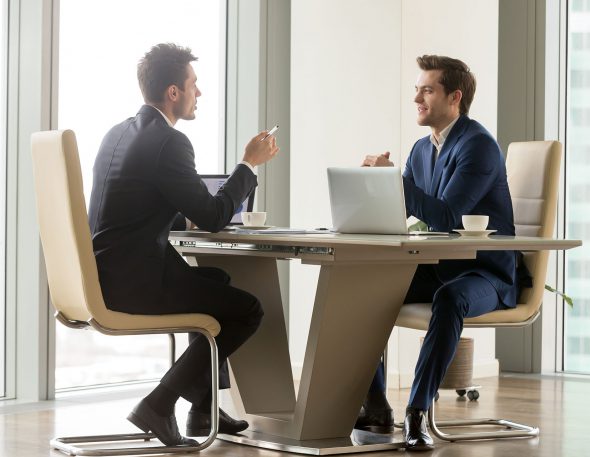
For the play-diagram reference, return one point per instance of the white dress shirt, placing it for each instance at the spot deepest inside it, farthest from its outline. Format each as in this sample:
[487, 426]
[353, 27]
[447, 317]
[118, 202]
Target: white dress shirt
[442, 137]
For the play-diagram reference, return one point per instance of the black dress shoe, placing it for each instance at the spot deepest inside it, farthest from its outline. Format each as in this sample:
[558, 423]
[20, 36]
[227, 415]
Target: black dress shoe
[199, 424]
[375, 420]
[415, 433]
[164, 427]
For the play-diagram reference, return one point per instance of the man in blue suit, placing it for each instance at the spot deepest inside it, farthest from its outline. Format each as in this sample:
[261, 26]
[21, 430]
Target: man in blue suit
[457, 170]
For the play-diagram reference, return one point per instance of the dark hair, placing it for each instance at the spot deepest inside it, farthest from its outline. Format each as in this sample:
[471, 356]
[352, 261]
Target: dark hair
[455, 76]
[164, 65]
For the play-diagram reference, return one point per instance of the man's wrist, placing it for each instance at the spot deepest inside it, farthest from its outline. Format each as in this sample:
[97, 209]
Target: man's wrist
[249, 165]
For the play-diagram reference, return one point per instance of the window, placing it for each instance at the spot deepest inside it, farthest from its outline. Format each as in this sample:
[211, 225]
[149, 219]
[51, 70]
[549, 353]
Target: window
[98, 55]
[3, 109]
[580, 5]
[580, 41]
[580, 79]
[577, 320]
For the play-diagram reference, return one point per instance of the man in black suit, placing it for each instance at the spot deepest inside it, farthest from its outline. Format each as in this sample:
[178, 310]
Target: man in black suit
[145, 184]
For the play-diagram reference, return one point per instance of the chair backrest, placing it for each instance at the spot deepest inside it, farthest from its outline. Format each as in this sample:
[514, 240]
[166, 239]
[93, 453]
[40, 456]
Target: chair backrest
[63, 226]
[533, 177]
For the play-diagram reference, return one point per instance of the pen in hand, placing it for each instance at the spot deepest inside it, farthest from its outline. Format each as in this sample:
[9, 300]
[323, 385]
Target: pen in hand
[271, 131]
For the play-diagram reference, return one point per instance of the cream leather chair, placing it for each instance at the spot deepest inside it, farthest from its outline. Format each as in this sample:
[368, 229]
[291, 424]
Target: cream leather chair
[75, 289]
[533, 177]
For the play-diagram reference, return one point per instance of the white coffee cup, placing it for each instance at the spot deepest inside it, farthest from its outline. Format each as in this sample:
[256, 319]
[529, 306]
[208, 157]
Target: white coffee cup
[474, 223]
[253, 218]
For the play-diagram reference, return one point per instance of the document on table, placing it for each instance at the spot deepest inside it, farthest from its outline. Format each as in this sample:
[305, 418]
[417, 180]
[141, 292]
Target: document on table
[426, 233]
[280, 231]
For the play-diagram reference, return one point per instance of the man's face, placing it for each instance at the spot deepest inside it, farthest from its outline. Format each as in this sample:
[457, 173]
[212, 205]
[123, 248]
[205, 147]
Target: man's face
[436, 109]
[186, 103]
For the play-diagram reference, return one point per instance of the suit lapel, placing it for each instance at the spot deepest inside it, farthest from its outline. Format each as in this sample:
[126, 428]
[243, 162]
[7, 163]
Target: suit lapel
[428, 163]
[444, 155]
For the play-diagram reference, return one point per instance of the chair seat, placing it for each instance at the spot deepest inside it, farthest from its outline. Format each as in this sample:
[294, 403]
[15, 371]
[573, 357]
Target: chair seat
[115, 320]
[417, 316]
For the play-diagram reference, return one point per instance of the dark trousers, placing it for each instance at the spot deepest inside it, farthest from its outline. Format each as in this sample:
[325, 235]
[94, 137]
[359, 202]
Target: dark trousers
[452, 302]
[207, 290]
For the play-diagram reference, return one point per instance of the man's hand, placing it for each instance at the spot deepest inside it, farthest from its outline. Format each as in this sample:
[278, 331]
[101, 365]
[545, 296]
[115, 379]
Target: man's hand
[378, 161]
[260, 150]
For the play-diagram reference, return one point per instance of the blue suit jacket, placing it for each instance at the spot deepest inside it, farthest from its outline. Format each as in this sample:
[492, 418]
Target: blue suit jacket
[469, 178]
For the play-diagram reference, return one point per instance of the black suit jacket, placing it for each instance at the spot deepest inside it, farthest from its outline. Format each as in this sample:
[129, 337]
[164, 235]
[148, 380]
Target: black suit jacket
[144, 176]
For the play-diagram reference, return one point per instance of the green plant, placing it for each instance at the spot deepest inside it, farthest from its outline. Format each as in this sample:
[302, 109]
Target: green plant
[567, 298]
[418, 227]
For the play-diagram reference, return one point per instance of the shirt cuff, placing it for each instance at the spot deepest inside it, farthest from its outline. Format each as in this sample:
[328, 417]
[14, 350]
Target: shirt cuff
[243, 162]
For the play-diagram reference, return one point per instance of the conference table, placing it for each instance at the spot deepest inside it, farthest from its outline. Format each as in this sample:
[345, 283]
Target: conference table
[362, 283]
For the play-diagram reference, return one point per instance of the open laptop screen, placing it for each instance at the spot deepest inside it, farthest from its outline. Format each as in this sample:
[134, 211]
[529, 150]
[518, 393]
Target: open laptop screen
[367, 200]
[214, 182]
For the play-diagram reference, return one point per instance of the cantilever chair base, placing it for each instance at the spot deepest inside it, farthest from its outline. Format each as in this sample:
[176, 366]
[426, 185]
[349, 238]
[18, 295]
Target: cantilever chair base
[71, 445]
[515, 430]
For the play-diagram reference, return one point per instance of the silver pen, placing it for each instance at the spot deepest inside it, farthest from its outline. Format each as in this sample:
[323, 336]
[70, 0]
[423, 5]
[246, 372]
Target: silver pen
[271, 131]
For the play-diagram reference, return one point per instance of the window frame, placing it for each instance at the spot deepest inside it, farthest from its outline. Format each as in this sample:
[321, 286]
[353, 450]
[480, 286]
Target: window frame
[30, 325]
[4, 17]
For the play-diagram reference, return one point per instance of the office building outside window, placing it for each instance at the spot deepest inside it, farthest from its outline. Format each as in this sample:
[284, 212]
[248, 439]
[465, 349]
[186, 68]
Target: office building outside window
[98, 55]
[577, 207]
[3, 110]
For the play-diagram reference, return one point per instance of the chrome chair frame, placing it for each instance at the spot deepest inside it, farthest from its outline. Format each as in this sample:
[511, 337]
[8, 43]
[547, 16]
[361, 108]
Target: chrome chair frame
[71, 445]
[515, 430]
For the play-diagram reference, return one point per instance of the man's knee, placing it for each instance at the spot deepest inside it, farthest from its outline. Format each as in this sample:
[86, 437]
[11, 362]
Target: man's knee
[257, 312]
[251, 311]
[225, 278]
[449, 302]
[213, 274]
[219, 275]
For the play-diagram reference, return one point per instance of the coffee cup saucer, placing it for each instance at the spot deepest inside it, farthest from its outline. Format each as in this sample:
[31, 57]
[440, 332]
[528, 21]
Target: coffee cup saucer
[474, 233]
[254, 227]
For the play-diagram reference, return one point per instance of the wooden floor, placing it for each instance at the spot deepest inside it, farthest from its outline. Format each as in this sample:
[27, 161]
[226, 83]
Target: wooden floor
[557, 404]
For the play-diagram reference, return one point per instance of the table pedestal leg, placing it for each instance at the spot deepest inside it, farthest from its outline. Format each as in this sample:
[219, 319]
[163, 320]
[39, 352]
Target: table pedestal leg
[354, 312]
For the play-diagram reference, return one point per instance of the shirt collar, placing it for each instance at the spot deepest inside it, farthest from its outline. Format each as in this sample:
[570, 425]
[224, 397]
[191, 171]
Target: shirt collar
[164, 116]
[443, 135]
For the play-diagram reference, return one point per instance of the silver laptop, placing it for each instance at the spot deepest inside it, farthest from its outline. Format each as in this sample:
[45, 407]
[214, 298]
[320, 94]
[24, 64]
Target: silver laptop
[214, 182]
[367, 200]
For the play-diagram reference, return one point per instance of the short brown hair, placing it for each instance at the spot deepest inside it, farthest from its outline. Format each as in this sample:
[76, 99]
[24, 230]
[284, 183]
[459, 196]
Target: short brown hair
[456, 75]
[162, 66]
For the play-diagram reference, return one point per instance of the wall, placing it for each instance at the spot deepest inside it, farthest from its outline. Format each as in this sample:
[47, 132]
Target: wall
[345, 83]
[352, 82]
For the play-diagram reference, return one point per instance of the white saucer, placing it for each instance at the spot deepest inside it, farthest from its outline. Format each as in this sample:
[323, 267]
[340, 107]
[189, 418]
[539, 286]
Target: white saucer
[474, 233]
[255, 227]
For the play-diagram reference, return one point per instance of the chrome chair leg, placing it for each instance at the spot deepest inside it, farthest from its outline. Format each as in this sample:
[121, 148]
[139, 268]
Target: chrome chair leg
[172, 348]
[72, 445]
[515, 430]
